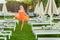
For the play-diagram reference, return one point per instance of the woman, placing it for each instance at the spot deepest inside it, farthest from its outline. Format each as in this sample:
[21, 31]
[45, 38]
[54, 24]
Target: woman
[22, 16]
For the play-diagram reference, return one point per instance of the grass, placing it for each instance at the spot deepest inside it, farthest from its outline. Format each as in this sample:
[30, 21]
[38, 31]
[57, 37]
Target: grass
[25, 34]
[1, 17]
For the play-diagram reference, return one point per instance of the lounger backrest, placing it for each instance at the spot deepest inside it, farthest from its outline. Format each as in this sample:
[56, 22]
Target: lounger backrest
[56, 26]
[36, 28]
[48, 38]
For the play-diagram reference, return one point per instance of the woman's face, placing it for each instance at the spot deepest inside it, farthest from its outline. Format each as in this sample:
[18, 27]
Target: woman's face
[21, 7]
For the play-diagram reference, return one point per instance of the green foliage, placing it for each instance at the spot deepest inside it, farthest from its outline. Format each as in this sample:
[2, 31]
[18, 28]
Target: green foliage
[44, 2]
[28, 1]
[58, 3]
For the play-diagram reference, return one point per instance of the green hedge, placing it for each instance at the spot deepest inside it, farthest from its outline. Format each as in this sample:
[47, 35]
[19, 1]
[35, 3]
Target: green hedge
[13, 6]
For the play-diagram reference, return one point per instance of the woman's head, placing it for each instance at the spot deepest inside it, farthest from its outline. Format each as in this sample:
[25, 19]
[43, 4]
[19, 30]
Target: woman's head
[21, 7]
